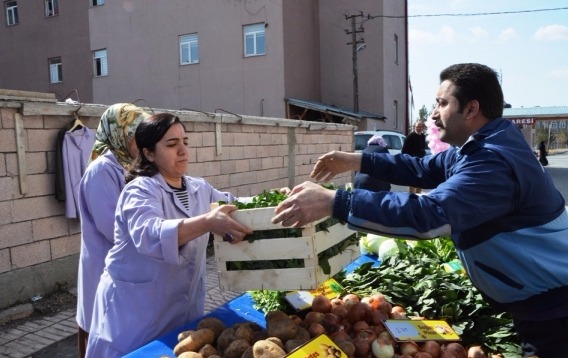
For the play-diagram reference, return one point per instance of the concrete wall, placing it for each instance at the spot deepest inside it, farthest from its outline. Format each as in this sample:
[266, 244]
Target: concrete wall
[39, 246]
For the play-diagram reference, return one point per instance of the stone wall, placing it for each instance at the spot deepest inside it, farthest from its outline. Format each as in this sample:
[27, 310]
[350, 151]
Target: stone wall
[39, 246]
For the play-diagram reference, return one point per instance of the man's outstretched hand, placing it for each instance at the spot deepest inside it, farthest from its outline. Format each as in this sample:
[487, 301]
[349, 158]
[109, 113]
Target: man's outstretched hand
[307, 202]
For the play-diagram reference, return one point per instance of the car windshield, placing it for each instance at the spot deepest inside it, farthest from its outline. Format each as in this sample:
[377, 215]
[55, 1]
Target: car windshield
[361, 141]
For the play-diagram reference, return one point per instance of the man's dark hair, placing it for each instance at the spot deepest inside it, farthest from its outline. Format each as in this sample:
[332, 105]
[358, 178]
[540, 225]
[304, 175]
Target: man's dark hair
[149, 132]
[474, 81]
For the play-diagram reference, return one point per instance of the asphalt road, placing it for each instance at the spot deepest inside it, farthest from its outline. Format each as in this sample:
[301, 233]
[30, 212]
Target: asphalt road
[558, 169]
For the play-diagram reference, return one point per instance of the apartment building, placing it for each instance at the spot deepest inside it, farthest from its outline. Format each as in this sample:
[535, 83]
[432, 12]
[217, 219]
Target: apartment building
[322, 60]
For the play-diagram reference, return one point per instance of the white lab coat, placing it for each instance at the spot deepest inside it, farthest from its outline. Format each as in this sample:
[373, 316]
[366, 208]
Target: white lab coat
[150, 286]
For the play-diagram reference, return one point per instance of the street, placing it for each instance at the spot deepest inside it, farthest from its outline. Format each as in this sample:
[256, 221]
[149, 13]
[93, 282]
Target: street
[558, 169]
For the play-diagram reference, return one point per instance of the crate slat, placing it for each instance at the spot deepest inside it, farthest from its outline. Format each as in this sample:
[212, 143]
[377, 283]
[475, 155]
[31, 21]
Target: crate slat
[269, 249]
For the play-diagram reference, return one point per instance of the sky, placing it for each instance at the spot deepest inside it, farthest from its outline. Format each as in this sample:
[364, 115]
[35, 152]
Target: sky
[528, 49]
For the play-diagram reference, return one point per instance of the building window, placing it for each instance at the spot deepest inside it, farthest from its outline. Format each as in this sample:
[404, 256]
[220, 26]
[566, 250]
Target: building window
[12, 13]
[396, 49]
[55, 70]
[51, 8]
[100, 63]
[255, 40]
[97, 2]
[188, 49]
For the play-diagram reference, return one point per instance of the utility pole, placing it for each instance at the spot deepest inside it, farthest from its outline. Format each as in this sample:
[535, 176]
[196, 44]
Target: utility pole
[356, 48]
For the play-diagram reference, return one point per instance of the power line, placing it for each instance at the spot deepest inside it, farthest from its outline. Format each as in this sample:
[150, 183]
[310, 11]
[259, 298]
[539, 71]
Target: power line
[493, 13]
[472, 14]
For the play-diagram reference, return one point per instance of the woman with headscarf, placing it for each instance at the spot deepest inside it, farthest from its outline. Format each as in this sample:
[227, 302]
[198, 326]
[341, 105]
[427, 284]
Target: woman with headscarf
[376, 144]
[155, 275]
[99, 189]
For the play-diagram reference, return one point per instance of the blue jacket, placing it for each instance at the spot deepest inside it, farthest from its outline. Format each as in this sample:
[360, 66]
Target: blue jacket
[508, 222]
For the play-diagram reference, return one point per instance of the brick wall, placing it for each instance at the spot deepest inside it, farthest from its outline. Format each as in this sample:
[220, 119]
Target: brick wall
[39, 246]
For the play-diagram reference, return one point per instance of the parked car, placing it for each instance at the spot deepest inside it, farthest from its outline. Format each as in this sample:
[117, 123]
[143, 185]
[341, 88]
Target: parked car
[394, 140]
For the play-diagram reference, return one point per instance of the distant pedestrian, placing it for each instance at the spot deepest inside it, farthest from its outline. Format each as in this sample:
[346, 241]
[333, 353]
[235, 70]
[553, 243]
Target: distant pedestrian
[542, 153]
[376, 144]
[415, 145]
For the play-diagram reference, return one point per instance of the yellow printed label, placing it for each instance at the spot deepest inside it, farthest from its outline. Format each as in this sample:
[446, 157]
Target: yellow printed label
[320, 347]
[421, 330]
[302, 300]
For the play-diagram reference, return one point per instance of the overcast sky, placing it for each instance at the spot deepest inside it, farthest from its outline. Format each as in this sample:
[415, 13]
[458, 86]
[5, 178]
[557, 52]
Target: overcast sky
[529, 48]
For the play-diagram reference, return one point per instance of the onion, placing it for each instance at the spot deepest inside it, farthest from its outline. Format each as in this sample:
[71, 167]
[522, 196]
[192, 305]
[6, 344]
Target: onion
[382, 348]
[398, 312]
[321, 304]
[367, 335]
[362, 346]
[359, 326]
[358, 312]
[377, 317]
[350, 299]
[315, 329]
[432, 347]
[409, 348]
[423, 355]
[475, 352]
[339, 311]
[453, 350]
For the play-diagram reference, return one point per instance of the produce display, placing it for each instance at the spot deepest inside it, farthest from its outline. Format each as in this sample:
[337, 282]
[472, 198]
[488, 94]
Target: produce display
[413, 277]
[353, 324]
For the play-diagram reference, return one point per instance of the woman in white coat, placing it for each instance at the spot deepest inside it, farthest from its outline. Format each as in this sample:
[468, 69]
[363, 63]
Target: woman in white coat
[154, 278]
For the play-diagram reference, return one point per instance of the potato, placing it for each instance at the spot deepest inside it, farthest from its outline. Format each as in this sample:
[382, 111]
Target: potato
[276, 341]
[236, 348]
[244, 331]
[214, 324]
[292, 344]
[225, 338]
[283, 328]
[259, 335]
[275, 315]
[267, 349]
[208, 350]
[184, 334]
[248, 353]
[302, 335]
[189, 354]
[195, 341]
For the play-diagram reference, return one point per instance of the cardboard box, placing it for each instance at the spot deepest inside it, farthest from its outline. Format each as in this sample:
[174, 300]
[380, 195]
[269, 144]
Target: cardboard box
[313, 240]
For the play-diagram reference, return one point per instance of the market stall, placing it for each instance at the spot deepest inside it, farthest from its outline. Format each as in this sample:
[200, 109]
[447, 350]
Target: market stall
[237, 310]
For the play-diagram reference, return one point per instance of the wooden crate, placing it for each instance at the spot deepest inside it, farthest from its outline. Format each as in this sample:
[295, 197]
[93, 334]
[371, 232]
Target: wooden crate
[306, 248]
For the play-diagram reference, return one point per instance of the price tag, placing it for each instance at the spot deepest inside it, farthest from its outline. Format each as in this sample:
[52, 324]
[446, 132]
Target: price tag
[320, 347]
[302, 300]
[421, 330]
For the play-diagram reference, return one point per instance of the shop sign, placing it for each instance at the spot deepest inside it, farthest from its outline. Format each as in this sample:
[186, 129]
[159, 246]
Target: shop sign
[523, 121]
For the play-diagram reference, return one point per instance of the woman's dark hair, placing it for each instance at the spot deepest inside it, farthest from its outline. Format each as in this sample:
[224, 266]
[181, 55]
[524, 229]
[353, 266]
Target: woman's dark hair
[149, 132]
[474, 81]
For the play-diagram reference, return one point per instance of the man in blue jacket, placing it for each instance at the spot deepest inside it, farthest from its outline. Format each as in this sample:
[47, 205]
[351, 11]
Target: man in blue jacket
[507, 220]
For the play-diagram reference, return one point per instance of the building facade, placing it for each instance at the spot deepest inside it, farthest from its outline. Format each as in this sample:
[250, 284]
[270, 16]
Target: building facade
[269, 58]
[548, 124]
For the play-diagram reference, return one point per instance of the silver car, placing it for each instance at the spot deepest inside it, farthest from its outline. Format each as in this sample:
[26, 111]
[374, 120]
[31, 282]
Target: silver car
[394, 140]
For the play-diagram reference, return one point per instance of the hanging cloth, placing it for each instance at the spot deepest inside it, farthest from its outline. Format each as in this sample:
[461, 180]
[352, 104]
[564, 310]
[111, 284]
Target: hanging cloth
[76, 151]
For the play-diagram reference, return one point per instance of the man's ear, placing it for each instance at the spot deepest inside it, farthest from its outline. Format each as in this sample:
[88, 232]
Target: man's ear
[472, 109]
